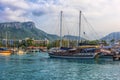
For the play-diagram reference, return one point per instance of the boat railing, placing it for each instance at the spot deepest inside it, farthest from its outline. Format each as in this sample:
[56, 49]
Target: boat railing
[56, 50]
[85, 54]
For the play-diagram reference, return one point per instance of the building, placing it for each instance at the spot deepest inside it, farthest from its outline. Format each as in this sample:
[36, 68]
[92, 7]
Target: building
[41, 42]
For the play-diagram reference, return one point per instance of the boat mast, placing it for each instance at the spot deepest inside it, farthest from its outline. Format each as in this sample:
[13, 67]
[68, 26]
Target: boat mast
[6, 39]
[61, 28]
[79, 27]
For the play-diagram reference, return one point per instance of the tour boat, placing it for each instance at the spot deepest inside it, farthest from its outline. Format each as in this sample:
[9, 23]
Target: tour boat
[76, 53]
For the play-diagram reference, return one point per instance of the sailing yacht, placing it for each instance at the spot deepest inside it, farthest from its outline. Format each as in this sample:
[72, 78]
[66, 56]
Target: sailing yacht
[5, 51]
[73, 53]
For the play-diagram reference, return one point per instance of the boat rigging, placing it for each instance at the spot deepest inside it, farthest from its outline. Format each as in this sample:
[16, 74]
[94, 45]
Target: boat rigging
[64, 52]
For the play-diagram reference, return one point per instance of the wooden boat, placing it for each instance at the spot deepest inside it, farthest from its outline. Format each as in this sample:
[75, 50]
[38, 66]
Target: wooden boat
[106, 53]
[5, 52]
[75, 53]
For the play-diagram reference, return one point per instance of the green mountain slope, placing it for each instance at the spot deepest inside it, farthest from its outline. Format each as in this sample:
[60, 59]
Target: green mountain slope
[22, 30]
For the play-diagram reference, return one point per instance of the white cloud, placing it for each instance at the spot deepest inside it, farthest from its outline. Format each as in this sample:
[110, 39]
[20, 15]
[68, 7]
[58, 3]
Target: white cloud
[102, 14]
[15, 3]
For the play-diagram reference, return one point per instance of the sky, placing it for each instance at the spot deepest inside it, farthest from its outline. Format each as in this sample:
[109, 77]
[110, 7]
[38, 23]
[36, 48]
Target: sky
[102, 15]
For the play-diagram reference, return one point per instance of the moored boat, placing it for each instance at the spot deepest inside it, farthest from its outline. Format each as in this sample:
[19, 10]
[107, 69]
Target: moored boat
[5, 51]
[106, 53]
[75, 53]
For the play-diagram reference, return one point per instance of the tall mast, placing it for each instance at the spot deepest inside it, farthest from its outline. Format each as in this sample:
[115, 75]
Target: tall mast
[79, 27]
[61, 28]
[6, 40]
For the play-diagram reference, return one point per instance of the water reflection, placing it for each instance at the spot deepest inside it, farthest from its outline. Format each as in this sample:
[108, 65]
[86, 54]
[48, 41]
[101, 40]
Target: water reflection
[45, 58]
[85, 61]
[5, 54]
[39, 66]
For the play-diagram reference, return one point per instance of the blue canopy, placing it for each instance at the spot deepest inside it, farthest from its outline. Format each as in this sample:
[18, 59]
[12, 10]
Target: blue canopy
[3, 48]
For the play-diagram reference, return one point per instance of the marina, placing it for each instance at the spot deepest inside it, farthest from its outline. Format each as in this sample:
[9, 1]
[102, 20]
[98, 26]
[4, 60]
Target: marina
[59, 40]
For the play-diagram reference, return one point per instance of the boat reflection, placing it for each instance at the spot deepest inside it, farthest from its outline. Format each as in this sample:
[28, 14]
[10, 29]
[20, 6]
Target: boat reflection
[84, 61]
[44, 57]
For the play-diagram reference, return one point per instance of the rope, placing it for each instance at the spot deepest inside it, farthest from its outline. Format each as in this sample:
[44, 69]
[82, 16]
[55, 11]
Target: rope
[92, 29]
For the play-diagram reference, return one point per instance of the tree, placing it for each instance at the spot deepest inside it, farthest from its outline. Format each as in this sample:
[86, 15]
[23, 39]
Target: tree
[104, 42]
[112, 41]
[29, 42]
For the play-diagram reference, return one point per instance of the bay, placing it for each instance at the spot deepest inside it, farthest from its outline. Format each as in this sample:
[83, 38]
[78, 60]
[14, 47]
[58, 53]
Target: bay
[39, 66]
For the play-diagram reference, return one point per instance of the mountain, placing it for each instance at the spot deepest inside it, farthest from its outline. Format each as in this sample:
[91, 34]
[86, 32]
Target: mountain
[22, 30]
[114, 35]
[71, 37]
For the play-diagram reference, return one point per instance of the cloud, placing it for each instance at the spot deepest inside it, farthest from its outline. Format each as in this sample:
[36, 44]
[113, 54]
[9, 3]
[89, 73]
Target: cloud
[38, 13]
[15, 4]
[102, 14]
[13, 10]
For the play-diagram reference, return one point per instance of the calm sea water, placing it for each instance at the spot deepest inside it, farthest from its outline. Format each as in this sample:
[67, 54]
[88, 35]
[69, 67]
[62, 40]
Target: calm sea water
[39, 66]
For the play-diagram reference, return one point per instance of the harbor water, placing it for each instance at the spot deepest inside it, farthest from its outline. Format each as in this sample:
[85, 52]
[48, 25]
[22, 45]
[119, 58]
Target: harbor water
[39, 66]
